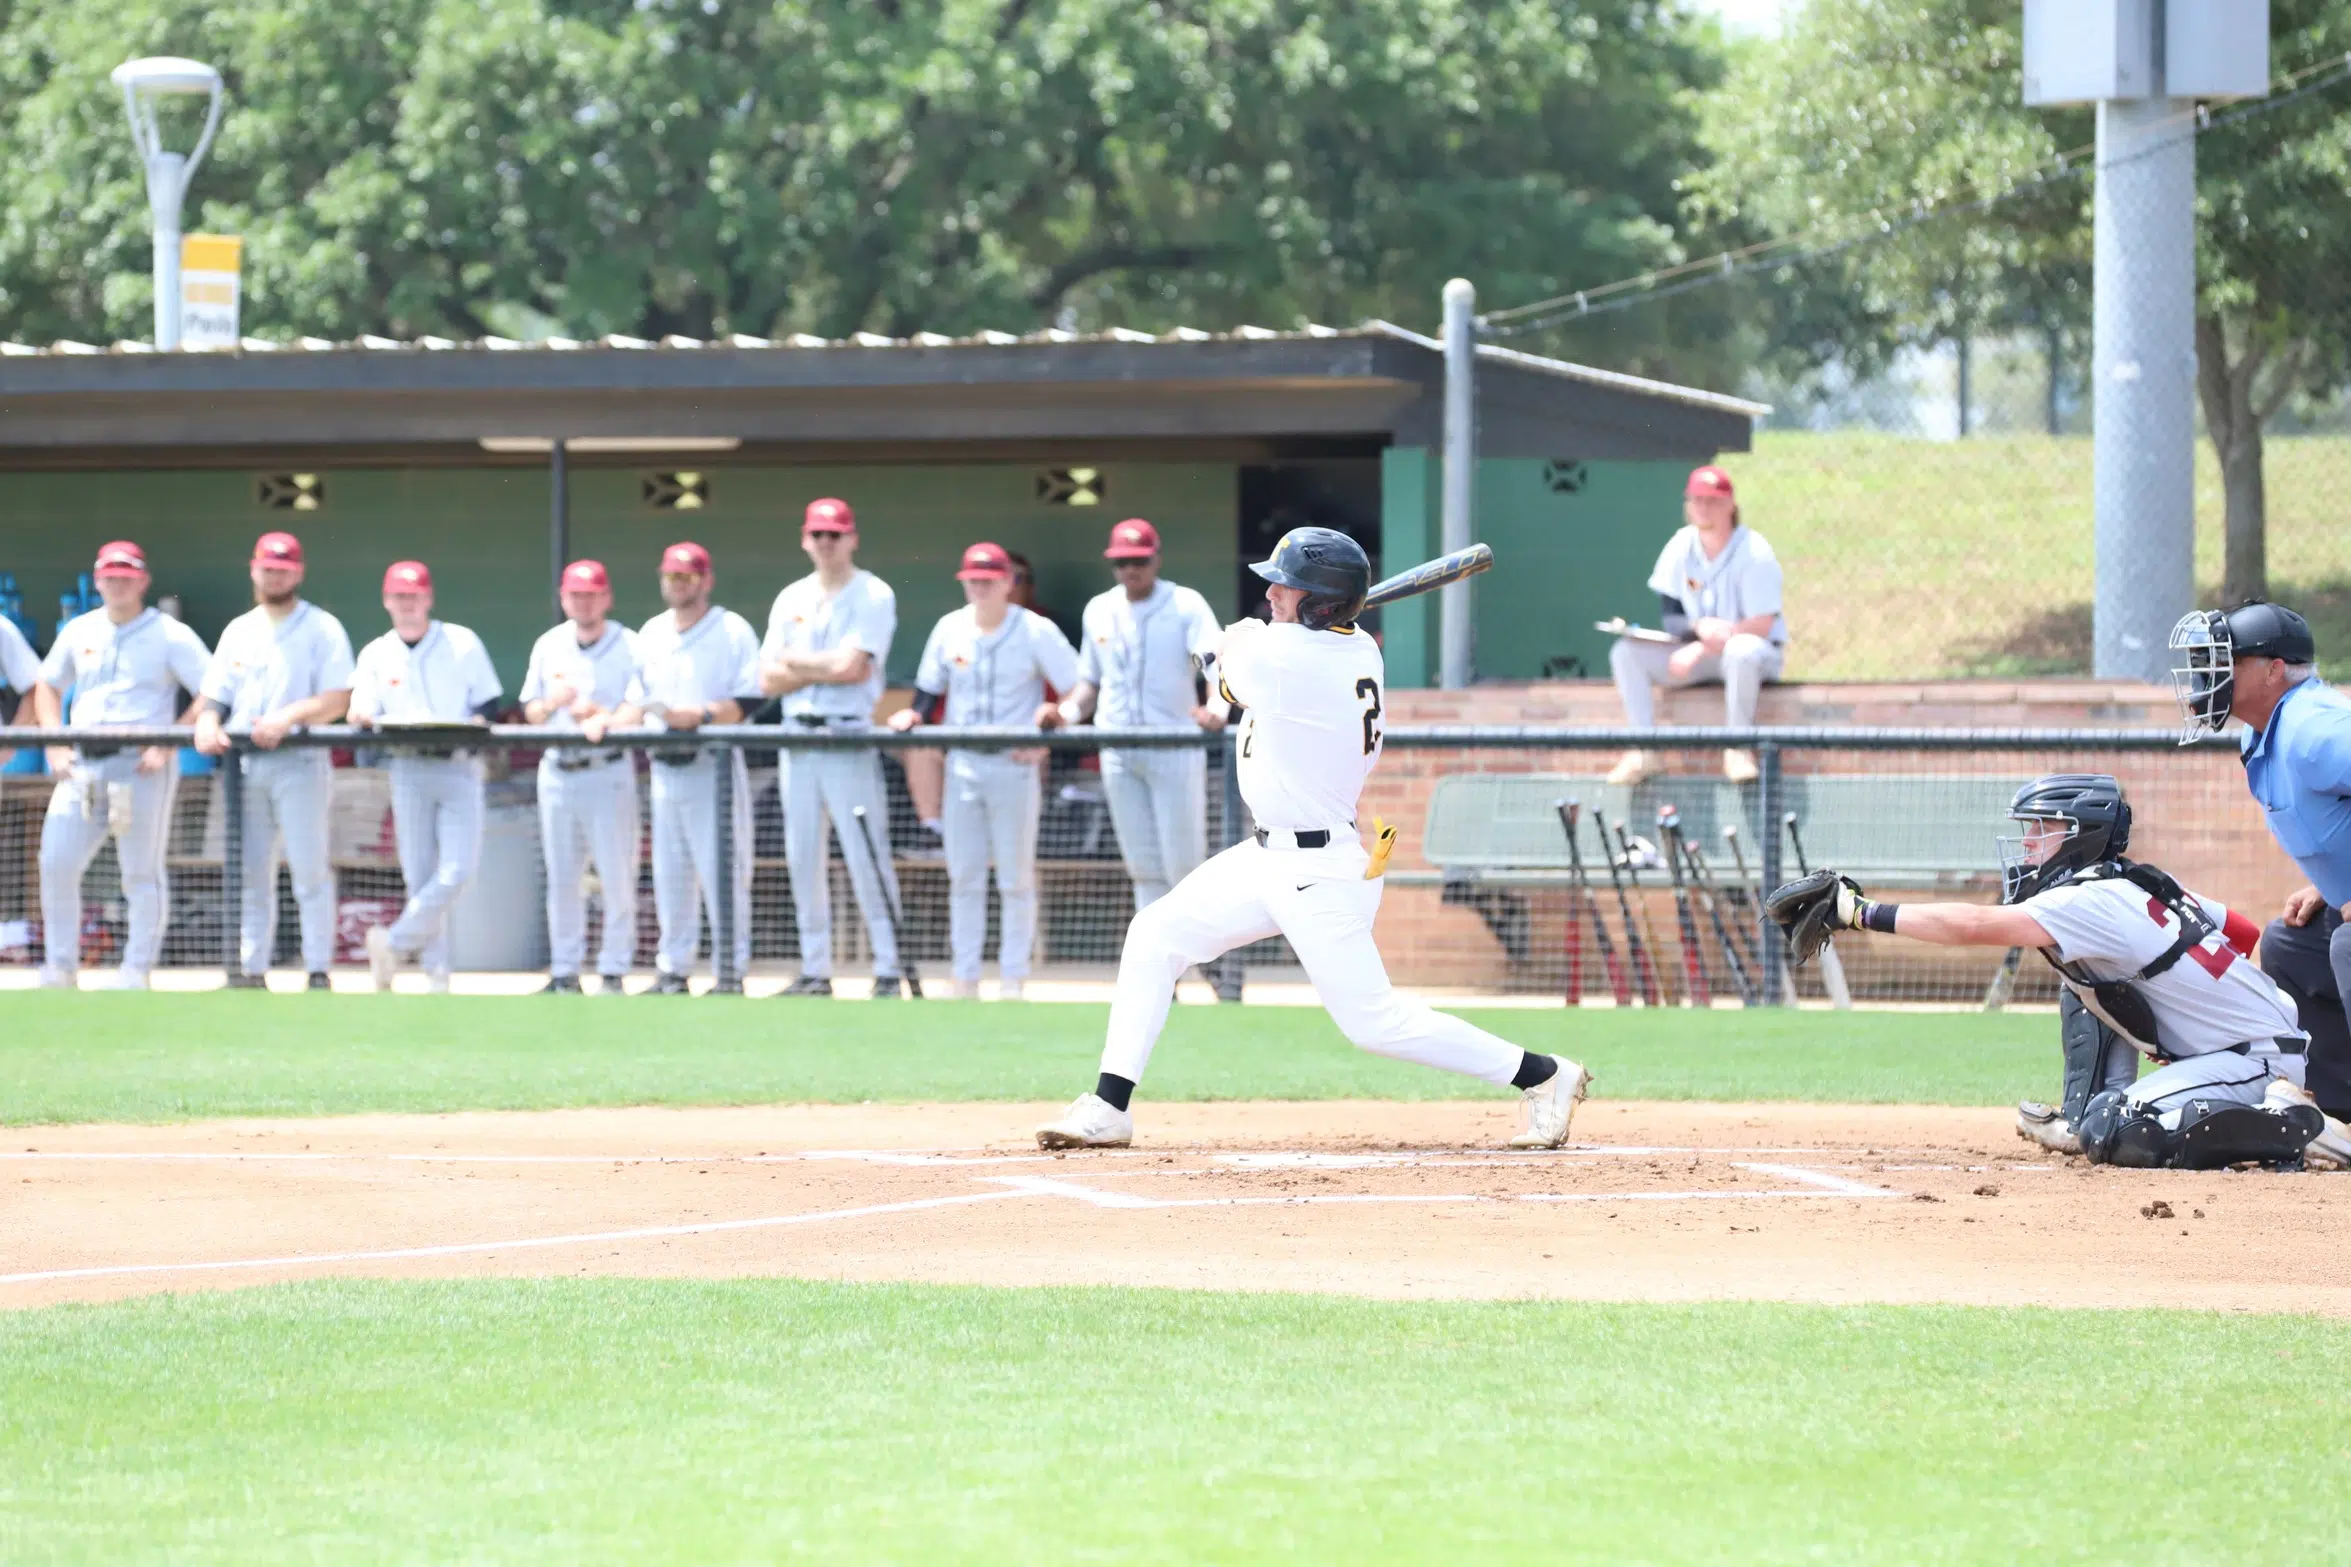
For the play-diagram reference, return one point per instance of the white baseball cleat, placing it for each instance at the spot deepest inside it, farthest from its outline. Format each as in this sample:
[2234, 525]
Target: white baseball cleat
[1633, 767]
[54, 979]
[1089, 1122]
[382, 961]
[1008, 990]
[2041, 1124]
[967, 990]
[2331, 1148]
[126, 979]
[436, 984]
[1740, 767]
[1550, 1106]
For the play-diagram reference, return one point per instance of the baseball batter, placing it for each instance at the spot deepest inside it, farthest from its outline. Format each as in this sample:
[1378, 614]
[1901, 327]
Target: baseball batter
[1140, 648]
[1314, 688]
[580, 674]
[126, 665]
[991, 661]
[426, 672]
[828, 637]
[2160, 965]
[697, 664]
[280, 666]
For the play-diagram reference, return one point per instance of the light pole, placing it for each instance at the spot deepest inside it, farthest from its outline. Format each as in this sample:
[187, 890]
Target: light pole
[142, 83]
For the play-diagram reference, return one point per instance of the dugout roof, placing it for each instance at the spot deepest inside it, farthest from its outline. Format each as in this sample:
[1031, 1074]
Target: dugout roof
[1252, 394]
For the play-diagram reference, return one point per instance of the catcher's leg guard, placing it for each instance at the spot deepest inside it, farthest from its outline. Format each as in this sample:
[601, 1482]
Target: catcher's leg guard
[2096, 1057]
[2113, 1130]
[2212, 1136]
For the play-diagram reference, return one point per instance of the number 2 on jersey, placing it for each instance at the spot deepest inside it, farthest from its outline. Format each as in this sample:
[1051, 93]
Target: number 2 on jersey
[1369, 689]
[2212, 960]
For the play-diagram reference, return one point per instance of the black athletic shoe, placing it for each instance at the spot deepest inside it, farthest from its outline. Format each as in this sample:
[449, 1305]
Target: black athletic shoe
[727, 987]
[562, 985]
[671, 985]
[808, 985]
[248, 982]
[888, 987]
[616, 985]
[319, 981]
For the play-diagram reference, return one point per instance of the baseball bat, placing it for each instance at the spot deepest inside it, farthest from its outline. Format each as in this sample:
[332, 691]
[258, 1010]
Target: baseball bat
[1636, 956]
[1574, 937]
[1702, 877]
[2003, 983]
[1429, 575]
[1832, 967]
[889, 902]
[1669, 829]
[1750, 910]
[1632, 876]
[1569, 810]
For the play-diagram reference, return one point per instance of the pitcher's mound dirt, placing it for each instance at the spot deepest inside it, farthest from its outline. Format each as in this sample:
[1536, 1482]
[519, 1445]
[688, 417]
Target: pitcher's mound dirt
[1655, 1202]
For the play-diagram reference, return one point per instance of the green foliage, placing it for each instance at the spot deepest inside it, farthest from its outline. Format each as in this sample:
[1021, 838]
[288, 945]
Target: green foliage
[461, 166]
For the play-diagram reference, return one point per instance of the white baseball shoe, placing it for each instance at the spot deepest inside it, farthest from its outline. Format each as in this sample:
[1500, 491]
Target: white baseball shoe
[54, 979]
[436, 984]
[1549, 1107]
[2041, 1124]
[1740, 767]
[382, 961]
[2331, 1148]
[1633, 767]
[1089, 1122]
[1009, 990]
[127, 979]
[967, 990]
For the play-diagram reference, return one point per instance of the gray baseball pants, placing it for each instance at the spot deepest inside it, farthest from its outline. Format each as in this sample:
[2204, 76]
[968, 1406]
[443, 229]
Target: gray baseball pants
[437, 815]
[589, 815]
[287, 796]
[685, 857]
[1159, 808]
[107, 796]
[819, 785]
[992, 805]
[1744, 664]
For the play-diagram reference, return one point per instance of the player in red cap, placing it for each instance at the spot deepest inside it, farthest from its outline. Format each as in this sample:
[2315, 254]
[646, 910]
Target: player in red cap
[1718, 584]
[698, 663]
[828, 638]
[426, 674]
[578, 679]
[1141, 648]
[126, 666]
[990, 662]
[281, 666]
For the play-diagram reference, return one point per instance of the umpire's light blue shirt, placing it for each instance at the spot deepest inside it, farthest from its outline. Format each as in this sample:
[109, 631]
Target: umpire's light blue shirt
[2299, 767]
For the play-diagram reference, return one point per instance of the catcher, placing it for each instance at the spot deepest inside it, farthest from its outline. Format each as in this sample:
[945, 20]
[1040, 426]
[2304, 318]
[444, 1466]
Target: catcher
[2152, 961]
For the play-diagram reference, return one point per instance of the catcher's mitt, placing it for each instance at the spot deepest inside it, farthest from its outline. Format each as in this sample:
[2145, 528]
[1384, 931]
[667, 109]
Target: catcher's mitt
[1813, 908]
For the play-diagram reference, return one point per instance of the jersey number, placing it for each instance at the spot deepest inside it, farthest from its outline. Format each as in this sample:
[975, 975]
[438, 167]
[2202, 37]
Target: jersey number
[2215, 963]
[1369, 689]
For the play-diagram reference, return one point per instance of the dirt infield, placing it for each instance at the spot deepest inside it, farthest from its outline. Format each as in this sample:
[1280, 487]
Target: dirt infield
[1656, 1202]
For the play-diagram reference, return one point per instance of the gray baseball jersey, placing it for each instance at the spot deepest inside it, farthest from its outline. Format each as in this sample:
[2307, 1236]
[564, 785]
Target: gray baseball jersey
[864, 614]
[20, 666]
[444, 678]
[1743, 581]
[996, 677]
[1141, 655]
[262, 663]
[129, 674]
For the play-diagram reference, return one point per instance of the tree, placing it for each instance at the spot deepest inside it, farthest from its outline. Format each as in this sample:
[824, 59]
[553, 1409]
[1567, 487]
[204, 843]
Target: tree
[658, 166]
[1863, 112]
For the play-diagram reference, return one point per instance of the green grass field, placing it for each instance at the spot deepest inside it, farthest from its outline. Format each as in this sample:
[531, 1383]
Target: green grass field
[158, 1057]
[758, 1421]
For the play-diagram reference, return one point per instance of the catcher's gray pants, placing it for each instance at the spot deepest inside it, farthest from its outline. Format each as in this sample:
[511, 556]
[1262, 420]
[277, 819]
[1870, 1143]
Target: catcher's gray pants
[287, 795]
[437, 820]
[1742, 666]
[992, 804]
[589, 814]
[102, 796]
[1159, 807]
[2312, 963]
[832, 784]
[685, 857]
[2223, 1076]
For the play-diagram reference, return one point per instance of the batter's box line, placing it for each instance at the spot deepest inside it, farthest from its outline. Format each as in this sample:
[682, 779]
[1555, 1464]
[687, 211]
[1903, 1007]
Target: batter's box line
[1814, 1184]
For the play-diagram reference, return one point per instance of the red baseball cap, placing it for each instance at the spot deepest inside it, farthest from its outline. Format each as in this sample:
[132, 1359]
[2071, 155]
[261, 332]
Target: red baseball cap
[1708, 480]
[586, 576]
[408, 576]
[1133, 539]
[120, 559]
[829, 516]
[985, 560]
[277, 549]
[686, 556]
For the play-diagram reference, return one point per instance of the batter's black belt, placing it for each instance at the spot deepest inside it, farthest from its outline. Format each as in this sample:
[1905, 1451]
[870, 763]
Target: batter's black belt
[1311, 838]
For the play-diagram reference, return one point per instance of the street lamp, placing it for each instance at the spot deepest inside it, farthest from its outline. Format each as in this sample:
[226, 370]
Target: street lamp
[142, 83]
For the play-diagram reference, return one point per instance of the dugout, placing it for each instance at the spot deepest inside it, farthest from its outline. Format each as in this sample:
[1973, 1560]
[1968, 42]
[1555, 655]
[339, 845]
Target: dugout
[489, 460]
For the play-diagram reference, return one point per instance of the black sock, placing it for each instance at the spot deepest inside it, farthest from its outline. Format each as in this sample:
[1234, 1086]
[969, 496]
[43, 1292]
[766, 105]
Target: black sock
[1113, 1090]
[1534, 1070]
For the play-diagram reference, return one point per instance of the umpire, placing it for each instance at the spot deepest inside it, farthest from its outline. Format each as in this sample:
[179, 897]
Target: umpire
[2258, 662]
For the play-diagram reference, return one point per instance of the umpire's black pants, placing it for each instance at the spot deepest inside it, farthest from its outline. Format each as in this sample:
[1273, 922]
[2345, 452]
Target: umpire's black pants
[2312, 963]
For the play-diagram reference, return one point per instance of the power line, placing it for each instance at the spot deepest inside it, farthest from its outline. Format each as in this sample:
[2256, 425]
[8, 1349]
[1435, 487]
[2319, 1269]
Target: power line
[1749, 260]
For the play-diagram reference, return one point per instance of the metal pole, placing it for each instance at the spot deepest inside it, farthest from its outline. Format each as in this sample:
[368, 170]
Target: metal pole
[166, 184]
[1457, 649]
[2144, 360]
[1769, 793]
[725, 981]
[559, 516]
[232, 858]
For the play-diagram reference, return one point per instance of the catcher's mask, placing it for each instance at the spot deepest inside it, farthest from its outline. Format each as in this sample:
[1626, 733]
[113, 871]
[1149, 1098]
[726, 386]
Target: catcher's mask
[1326, 565]
[2072, 821]
[2205, 647]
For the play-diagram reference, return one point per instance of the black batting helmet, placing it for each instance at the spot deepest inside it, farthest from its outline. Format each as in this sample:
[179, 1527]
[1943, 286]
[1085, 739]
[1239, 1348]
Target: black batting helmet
[2206, 644]
[1328, 567]
[2098, 827]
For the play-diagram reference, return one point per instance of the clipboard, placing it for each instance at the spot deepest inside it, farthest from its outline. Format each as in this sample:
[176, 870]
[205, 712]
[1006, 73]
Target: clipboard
[1619, 627]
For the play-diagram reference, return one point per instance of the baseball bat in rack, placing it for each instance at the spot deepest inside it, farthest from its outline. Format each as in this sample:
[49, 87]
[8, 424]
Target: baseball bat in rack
[1832, 967]
[1581, 893]
[881, 871]
[1669, 833]
[1644, 968]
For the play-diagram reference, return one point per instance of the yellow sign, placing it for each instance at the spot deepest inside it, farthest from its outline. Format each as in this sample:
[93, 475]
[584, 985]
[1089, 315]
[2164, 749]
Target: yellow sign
[210, 285]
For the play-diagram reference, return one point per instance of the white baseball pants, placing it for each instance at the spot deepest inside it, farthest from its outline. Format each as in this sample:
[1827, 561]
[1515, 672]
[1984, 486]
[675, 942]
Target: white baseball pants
[589, 815]
[1742, 666]
[437, 813]
[2222, 1076]
[108, 795]
[685, 858]
[818, 785]
[1319, 899]
[287, 796]
[1159, 808]
[992, 805]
